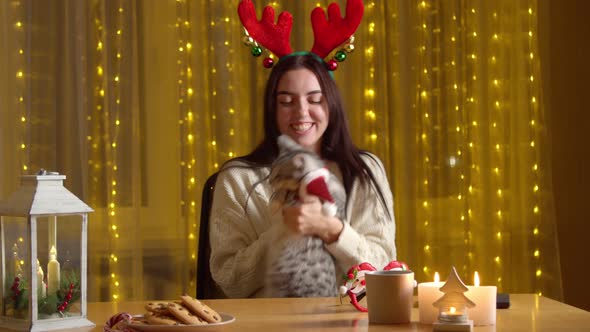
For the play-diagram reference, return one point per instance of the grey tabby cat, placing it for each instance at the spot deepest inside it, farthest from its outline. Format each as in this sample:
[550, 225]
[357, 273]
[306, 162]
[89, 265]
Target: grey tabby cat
[299, 266]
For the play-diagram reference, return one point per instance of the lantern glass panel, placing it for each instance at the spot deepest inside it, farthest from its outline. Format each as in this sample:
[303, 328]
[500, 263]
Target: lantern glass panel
[58, 271]
[15, 264]
[58, 252]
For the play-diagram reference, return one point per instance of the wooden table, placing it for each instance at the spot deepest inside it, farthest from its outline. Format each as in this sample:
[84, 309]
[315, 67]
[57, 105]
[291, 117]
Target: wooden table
[527, 312]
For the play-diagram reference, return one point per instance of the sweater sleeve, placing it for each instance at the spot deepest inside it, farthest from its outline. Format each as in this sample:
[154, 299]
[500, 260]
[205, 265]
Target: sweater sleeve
[238, 238]
[369, 233]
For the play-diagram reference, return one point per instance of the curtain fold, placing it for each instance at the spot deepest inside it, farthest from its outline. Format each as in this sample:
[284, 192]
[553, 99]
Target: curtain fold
[137, 102]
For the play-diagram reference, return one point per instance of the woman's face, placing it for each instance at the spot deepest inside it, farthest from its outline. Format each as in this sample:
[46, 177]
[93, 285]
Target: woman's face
[302, 110]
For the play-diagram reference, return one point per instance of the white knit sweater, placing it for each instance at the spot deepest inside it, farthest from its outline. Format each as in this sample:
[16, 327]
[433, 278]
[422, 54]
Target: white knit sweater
[241, 222]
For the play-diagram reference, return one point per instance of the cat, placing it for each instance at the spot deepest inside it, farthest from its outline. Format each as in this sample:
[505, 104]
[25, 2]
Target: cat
[300, 266]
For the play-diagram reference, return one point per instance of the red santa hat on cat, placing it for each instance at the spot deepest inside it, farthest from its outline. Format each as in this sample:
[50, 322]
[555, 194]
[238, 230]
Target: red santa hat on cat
[315, 183]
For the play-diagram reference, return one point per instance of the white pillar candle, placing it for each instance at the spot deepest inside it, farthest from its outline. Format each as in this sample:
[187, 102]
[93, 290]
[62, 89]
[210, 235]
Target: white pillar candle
[484, 312]
[52, 272]
[428, 293]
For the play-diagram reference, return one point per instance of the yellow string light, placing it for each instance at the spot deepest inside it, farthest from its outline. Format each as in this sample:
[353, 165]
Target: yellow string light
[534, 135]
[187, 128]
[94, 117]
[423, 100]
[497, 93]
[114, 114]
[21, 87]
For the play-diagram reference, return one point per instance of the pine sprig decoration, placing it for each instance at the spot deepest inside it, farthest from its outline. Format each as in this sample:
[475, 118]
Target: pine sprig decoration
[67, 294]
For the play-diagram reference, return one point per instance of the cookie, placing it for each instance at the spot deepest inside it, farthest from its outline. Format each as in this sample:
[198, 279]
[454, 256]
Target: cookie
[155, 319]
[184, 315]
[200, 309]
[157, 307]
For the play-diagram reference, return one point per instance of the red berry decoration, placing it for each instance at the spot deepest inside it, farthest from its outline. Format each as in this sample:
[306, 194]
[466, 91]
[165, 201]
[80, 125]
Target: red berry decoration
[16, 292]
[332, 65]
[63, 306]
[268, 62]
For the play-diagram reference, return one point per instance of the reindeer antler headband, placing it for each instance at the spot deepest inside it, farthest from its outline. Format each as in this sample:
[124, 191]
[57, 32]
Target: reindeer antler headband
[329, 34]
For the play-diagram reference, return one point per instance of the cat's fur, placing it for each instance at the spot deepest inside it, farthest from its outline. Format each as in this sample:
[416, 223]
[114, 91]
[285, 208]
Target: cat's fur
[299, 266]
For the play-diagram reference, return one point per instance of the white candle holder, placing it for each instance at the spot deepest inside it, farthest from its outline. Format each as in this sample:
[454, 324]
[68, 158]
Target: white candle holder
[453, 315]
[43, 237]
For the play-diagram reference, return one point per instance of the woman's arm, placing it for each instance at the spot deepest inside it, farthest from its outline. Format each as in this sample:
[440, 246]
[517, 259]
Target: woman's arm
[369, 234]
[238, 239]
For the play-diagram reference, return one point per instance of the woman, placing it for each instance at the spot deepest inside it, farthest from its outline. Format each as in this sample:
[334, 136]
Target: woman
[303, 102]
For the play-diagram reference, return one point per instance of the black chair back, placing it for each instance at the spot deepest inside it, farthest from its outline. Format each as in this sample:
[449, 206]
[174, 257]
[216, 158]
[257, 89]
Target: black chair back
[206, 286]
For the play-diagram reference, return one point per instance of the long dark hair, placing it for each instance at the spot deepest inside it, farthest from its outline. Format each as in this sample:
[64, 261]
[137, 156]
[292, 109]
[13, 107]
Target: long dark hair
[336, 145]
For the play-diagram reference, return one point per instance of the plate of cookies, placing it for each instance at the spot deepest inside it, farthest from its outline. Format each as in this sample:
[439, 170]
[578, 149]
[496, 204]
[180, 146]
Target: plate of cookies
[186, 314]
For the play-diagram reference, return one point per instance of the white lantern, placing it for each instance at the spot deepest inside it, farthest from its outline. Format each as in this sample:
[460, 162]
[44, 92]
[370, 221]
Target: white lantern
[43, 234]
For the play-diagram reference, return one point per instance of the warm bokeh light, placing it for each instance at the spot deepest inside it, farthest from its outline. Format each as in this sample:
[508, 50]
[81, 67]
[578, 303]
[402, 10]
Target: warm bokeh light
[437, 91]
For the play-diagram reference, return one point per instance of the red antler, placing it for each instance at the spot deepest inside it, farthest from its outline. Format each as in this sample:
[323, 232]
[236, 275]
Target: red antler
[333, 32]
[275, 37]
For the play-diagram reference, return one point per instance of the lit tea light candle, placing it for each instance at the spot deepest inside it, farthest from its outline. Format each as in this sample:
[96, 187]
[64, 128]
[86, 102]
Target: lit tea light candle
[428, 292]
[453, 315]
[484, 297]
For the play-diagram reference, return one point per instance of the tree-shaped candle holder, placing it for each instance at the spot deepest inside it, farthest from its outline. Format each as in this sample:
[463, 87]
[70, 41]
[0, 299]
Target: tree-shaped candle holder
[453, 305]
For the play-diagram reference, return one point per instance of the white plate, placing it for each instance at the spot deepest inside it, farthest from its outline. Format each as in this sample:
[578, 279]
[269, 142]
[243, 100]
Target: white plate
[225, 319]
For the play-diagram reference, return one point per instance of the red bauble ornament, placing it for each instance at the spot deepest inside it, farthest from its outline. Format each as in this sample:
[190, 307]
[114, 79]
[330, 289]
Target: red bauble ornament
[268, 62]
[332, 65]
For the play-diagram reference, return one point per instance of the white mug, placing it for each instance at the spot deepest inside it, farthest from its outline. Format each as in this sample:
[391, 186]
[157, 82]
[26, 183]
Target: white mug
[389, 296]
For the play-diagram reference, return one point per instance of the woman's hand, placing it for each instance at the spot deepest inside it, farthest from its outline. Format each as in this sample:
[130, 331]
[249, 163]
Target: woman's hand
[307, 219]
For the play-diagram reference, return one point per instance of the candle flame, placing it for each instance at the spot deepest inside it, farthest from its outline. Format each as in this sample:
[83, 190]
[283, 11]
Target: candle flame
[436, 277]
[476, 279]
[452, 310]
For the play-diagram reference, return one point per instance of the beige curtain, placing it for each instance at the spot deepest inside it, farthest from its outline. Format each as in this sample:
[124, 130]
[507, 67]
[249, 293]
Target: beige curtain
[137, 102]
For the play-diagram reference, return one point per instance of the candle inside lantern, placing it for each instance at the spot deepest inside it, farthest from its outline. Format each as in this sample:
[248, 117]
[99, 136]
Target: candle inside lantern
[484, 297]
[41, 290]
[428, 292]
[53, 273]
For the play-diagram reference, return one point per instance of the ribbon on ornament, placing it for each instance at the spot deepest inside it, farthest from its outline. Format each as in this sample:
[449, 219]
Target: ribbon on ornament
[119, 323]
